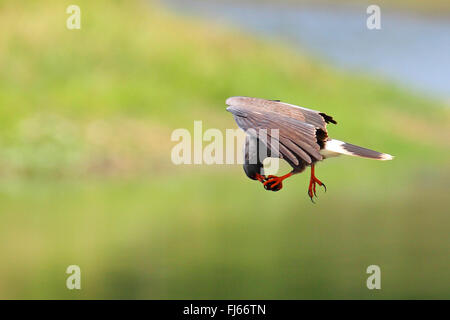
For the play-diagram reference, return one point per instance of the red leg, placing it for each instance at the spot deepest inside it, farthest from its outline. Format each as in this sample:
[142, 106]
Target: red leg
[312, 184]
[260, 178]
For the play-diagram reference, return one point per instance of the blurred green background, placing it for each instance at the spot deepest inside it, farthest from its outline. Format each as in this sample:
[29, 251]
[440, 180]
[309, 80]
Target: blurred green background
[86, 177]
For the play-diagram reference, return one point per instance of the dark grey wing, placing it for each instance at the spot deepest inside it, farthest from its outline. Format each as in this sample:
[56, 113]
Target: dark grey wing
[316, 118]
[296, 141]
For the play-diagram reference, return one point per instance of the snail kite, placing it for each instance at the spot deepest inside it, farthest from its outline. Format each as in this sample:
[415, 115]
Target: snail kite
[296, 134]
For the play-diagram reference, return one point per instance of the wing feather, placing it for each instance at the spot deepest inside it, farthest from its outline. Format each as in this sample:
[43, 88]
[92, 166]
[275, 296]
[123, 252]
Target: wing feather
[296, 149]
[316, 118]
[297, 141]
[281, 152]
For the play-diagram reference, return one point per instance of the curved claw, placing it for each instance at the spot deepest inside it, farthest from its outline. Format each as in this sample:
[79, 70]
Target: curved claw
[273, 182]
[312, 184]
[273, 185]
[312, 188]
[311, 196]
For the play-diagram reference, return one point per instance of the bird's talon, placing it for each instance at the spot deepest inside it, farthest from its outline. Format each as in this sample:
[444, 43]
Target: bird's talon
[311, 196]
[273, 183]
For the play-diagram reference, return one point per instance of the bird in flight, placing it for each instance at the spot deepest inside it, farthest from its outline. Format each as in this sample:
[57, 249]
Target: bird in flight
[296, 134]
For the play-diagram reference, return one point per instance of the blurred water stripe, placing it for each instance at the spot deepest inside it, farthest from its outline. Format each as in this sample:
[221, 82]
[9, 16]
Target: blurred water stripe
[410, 49]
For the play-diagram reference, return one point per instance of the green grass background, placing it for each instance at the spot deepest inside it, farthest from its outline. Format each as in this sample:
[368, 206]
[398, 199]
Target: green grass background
[86, 177]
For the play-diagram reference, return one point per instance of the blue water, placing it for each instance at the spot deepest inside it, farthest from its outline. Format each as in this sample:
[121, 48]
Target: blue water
[410, 49]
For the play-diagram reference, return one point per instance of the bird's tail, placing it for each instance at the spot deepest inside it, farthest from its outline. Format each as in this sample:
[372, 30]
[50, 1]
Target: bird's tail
[335, 147]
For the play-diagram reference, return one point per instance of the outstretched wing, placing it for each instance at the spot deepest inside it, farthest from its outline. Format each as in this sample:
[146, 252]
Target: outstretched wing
[297, 127]
[316, 118]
